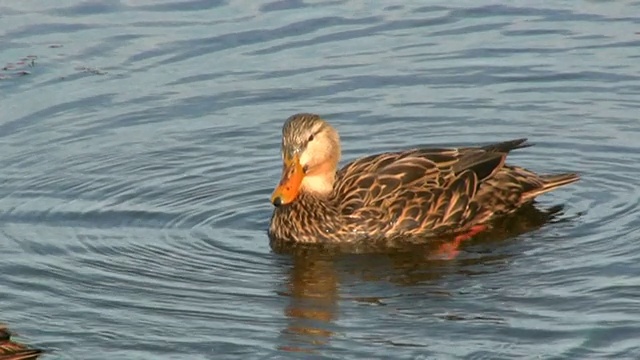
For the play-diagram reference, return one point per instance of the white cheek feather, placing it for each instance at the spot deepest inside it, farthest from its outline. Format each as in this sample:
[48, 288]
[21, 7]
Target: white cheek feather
[304, 157]
[317, 150]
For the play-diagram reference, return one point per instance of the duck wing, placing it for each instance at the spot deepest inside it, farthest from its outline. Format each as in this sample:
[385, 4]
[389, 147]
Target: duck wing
[423, 191]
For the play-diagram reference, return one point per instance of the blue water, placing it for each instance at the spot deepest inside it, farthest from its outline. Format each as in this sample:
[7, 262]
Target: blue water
[139, 145]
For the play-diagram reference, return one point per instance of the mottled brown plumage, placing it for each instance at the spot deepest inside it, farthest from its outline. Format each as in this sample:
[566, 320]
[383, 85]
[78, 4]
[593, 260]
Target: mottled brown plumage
[415, 193]
[11, 350]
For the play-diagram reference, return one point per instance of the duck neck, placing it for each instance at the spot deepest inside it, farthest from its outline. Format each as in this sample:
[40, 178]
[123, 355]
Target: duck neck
[318, 185]
[320, 180]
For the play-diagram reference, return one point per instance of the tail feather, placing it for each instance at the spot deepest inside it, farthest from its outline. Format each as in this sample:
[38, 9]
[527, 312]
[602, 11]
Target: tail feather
[551, 182]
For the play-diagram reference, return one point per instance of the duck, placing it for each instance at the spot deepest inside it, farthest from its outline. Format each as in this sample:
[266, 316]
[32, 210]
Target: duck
[11, 350]
[423, 192]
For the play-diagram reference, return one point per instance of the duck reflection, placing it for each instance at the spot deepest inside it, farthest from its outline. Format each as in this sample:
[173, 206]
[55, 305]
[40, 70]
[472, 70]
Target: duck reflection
[313, 283]
[312, 309]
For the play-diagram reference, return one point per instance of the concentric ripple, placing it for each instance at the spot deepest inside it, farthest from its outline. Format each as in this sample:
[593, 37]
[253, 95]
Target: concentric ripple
[140, 143]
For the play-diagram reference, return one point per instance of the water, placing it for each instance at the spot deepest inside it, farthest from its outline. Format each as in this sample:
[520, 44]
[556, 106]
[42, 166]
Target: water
[139, 144]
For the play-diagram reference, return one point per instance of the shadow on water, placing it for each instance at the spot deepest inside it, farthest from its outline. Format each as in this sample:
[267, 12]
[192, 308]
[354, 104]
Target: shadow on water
[314, 280]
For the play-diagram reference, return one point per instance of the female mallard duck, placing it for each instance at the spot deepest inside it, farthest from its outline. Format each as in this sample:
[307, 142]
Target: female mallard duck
[11, 350]
[415, 193]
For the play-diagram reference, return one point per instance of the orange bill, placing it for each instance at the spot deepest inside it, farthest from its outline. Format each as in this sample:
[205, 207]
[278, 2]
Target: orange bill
[289, 187]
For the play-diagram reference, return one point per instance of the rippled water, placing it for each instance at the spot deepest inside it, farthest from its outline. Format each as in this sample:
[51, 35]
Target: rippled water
[140, 141]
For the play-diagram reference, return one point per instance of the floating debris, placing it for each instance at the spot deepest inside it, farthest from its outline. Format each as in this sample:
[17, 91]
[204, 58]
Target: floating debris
[91, 70]
[18, 68]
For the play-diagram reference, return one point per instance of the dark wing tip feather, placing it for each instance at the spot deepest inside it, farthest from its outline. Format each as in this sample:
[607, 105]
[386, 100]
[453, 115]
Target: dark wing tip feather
[507, 146]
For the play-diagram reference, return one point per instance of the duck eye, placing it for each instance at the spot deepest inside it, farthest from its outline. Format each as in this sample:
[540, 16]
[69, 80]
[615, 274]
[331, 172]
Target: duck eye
[311, 137]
